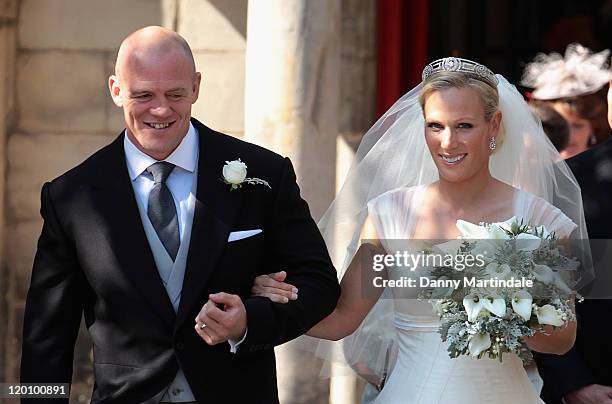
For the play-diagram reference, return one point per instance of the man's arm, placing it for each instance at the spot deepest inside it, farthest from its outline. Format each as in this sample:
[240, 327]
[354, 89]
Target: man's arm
[294, 245]
[53, 306]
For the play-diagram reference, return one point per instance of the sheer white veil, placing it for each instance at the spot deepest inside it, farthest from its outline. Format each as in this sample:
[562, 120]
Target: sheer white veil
[393, 154]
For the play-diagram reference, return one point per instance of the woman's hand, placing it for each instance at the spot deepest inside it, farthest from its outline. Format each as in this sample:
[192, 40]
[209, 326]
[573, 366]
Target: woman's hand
[274, 288]
[553, 341]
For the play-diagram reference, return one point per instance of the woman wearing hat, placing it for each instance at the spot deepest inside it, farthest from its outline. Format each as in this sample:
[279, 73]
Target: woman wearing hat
[575, 86]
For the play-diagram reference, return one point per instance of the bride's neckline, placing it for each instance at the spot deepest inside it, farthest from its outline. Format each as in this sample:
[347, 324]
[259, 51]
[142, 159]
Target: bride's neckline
[419, 193]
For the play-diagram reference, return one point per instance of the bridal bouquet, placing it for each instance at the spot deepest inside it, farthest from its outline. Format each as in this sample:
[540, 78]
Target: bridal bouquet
[516, 289]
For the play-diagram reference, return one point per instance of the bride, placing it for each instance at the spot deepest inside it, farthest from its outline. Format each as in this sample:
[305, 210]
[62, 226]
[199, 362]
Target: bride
[461, 145]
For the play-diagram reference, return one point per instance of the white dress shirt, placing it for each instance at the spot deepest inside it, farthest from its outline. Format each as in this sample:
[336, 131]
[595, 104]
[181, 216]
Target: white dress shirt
[179, 182]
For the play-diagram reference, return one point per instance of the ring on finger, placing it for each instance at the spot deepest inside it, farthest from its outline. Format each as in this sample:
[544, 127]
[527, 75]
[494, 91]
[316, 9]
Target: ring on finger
[202, 326]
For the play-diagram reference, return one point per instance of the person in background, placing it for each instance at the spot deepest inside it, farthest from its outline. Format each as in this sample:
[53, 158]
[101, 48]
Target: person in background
[555, 126]
[584, 374]
[575, 86]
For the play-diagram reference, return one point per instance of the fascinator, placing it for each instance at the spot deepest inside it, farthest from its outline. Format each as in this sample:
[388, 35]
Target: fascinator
[579, 72]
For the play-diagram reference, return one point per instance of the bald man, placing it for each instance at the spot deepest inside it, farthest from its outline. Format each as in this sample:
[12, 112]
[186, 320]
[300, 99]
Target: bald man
[156, 240]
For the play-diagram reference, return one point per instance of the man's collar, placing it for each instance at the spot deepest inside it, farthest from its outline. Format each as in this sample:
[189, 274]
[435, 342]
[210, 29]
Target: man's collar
[184, 156]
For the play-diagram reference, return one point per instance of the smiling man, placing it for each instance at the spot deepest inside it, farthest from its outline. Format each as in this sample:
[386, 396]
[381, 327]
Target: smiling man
[157, 248]
[156, 83]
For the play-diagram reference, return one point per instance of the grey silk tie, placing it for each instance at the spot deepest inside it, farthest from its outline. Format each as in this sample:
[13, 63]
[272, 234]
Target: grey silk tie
[161, 209]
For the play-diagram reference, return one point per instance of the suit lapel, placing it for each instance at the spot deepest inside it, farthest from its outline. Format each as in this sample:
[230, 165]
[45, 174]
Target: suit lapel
[215, 211]
[117, 201]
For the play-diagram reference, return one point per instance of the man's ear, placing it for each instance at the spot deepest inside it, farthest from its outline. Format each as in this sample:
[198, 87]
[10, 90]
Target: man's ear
[115, 90]
[196, 87]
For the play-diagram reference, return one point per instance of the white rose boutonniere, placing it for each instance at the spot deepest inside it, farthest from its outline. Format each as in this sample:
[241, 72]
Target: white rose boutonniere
[235, 174]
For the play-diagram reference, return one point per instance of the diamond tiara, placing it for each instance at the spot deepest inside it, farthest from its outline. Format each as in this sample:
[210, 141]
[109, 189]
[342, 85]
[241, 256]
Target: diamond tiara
[453, 64]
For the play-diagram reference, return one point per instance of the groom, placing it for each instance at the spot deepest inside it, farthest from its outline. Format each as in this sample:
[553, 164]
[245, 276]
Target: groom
[157, 245]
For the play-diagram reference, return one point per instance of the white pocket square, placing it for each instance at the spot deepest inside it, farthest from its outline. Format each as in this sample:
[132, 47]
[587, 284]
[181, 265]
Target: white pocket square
[239, 235]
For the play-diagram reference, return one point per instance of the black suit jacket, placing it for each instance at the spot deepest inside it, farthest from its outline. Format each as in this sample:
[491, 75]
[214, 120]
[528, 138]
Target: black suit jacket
[93, 258]
[590, 360]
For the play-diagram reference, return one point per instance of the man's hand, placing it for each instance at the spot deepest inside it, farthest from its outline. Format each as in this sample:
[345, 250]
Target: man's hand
[591, 394]
[216, 325]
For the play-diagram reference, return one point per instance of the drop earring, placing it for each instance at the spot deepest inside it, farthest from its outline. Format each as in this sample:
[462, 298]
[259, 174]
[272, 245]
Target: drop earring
[492, 144]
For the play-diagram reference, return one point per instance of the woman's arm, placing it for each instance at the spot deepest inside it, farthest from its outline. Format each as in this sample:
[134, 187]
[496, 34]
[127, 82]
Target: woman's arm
[357, 296]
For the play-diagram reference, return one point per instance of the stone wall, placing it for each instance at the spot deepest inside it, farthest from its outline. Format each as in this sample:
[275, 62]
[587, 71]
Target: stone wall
[216, 31]
[8, 18]
[65, 51]
[358, 66]
[358, 80]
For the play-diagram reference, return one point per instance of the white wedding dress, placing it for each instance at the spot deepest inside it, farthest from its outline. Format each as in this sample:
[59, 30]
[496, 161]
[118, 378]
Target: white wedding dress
[424, 373]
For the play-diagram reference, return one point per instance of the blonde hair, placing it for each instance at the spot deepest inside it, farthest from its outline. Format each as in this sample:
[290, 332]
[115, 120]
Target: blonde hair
[447, 79]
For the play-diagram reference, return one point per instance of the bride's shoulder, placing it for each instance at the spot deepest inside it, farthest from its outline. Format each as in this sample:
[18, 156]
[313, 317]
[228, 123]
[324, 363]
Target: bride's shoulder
[400, 195]
[526, 199]
[390, 213]
[537, 211]
[403, 192]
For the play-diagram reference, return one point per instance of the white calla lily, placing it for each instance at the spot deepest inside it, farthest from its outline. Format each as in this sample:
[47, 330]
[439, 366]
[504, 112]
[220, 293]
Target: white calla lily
[496, 232]
[495, 304]
[507, 225]
[543, 274]
[471, 230]
[527, 242]
[521, 304]
[548, 314]
[479, 343]
[473, 306]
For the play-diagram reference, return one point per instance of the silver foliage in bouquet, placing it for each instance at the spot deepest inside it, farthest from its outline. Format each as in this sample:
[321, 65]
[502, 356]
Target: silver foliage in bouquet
[521, 287]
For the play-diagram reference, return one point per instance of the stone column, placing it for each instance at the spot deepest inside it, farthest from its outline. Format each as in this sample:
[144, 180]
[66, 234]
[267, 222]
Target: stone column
[292, 107]
[357, 114]
[292, 88]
